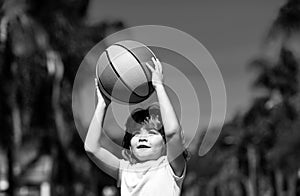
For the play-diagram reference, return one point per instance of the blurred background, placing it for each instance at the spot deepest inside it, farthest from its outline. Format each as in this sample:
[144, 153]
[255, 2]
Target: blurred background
[255, 43]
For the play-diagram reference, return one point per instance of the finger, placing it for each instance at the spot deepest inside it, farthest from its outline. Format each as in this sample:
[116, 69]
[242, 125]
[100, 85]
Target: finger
[97, 88]
[96, 83]
[154, 62]
[150, 67]
[159, 65]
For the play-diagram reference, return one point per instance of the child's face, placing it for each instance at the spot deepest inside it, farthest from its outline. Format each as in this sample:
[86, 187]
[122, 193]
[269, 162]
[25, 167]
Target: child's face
[147, 144]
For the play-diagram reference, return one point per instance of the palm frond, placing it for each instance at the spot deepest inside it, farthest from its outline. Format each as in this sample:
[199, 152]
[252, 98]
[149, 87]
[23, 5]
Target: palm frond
[288, 19]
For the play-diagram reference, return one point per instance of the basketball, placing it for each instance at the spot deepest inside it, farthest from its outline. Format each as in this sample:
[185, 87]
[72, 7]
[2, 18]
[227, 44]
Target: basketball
[122, 72]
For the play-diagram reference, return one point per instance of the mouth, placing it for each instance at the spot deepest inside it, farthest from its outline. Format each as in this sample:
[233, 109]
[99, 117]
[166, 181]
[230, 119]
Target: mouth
[142, 146]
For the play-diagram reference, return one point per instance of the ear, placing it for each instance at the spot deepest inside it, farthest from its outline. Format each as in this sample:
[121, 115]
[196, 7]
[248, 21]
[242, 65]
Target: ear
[126, 154]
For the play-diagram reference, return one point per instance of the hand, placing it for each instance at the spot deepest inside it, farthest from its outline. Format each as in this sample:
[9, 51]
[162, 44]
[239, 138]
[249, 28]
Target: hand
[157, 75]
[100, 98]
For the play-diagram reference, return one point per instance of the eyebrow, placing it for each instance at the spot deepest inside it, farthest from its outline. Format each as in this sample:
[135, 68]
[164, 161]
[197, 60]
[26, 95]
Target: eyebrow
[153, 130]
[135, 131]
[147, 129]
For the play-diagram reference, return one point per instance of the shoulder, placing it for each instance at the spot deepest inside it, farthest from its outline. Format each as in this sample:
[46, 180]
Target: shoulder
[124, 164]
[177, 173]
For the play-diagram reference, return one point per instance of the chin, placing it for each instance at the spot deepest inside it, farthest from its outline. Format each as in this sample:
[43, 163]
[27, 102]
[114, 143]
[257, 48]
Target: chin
[147, 158]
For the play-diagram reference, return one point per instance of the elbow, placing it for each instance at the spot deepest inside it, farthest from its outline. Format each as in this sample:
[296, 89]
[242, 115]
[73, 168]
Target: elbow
[173, 131]
[176, 129]
[89, 148]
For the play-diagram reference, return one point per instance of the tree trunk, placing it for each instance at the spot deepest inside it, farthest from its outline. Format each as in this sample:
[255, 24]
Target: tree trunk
[211, 186]
[292, 180]
[279, 182]
[10, 101]
[10, 173]
[14, 147]
[252, 169]
[250, 188]
[62, 132]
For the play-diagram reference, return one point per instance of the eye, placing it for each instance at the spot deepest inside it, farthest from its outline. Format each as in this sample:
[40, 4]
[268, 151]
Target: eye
[153, 132]
[136, 133]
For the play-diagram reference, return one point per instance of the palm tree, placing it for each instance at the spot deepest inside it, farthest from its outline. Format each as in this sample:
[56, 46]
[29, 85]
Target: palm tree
[42, 44]
[277, 112]
[287, 21]
[286, 31]
[268, 139]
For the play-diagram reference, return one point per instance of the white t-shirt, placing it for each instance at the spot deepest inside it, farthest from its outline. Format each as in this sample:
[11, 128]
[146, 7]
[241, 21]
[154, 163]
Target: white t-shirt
[153, 178]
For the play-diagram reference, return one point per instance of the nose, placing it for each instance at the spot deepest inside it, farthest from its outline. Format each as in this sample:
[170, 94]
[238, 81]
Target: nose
[142, 140]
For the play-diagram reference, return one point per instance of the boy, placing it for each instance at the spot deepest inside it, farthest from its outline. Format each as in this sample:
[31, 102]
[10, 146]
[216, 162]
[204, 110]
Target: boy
[155, 158]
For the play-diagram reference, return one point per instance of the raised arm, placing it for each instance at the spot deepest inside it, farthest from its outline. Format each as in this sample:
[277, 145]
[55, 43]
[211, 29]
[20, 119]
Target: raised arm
[172, 127]
[107, 161]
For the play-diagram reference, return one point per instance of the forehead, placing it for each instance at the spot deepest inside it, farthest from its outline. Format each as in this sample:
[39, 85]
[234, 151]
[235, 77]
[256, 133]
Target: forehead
[145, 129]
[144, 126]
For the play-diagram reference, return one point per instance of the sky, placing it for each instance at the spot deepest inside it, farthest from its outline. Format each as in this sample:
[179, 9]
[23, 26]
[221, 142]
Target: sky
[232, 31]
